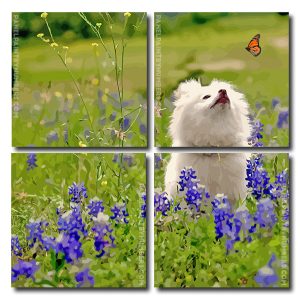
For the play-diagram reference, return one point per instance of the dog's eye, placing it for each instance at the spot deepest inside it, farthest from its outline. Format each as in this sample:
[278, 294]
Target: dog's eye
[206, 97]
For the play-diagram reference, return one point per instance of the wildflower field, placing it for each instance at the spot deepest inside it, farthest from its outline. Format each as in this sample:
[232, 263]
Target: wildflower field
[78, 220]
[204, 240]
[79, 79]
[214, 48]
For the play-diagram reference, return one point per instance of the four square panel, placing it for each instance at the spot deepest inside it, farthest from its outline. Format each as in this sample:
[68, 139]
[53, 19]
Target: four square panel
[221, 80]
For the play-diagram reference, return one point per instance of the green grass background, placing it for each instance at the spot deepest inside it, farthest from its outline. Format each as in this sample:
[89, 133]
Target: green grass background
[212, 45]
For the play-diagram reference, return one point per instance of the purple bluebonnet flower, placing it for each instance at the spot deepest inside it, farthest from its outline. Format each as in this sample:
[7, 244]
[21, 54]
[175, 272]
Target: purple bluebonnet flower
[36, 235]
[95, 207]
[36, 230]
[275, 102]
[266, 276]
[31, 161]
[195, 194]
[265, 215]
[72, 224]
[283, 119]
[49, 243]
[282, 178]
[16, 249]
[161, 204]
[126, 123]
[143, 129]
[232, 232]
[71, 227]
[280, 186]
[176, 207]
[52, 137]
[127, 103]
[158, 160]
[115, 158]
[128, 159]
[120, 213]
[248, 225]
[258, 180]
[102, 235]
[256, 134]
[59, 211]
[187, 175]
[77, 192]
[85, 279]
[258, 105]
[223, 216]
[286, 217]
[24, 268]
[231, 225]
[70, 246]
[144, 206]
[113, 115]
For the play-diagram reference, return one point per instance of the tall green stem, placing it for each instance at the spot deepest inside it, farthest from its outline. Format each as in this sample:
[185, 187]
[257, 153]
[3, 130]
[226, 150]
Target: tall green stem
[74, 81]
[79, 94]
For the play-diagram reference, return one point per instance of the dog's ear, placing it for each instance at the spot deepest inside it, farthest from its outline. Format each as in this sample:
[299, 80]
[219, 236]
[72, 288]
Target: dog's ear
[185, 88]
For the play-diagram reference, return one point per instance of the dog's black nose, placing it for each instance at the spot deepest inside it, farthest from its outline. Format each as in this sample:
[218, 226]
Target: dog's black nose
[223, 92]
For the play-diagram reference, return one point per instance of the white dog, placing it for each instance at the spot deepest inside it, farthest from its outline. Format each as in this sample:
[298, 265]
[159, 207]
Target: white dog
[210, 116]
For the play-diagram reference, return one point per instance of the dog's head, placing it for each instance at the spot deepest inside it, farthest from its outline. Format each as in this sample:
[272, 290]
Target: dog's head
[209, 116]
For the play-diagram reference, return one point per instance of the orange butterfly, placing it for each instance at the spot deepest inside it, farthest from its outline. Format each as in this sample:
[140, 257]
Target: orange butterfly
[253, 47]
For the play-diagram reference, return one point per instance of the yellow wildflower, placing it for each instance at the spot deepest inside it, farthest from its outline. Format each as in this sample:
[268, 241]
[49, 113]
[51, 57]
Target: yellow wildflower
[53, 45]
[95, 81]
[69, 96]
[127, 14]
[104, 183]
[58, 94]
[95, 44]
[99, 24]
[81, 144]
[44, 15]
[40, 35]
[104, 98]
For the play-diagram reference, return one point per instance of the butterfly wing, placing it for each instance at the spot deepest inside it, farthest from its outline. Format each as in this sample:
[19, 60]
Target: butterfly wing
[253, 47]
[255, 51]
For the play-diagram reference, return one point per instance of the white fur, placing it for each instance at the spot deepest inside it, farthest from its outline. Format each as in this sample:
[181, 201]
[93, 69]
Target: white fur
[195, 124]
[222, 173]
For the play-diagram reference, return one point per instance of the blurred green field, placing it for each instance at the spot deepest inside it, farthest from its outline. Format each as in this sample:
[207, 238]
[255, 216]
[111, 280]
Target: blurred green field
[212, 45]
[188, 255]
[47, 101]
[37, 193]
